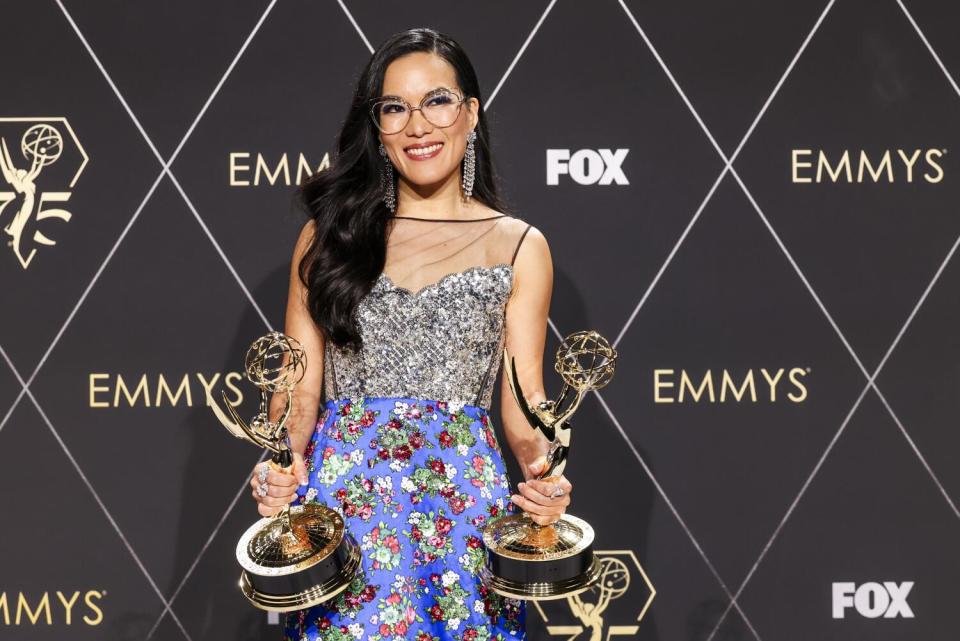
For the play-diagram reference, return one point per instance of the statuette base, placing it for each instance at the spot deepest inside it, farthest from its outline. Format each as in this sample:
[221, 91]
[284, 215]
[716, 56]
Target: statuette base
[533, 562]
[298, 560]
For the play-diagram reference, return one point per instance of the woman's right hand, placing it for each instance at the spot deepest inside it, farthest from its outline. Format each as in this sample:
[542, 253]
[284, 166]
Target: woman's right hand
[281, 487]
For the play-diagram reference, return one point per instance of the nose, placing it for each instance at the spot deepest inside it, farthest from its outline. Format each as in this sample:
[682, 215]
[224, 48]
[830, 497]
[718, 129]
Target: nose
[418, 124]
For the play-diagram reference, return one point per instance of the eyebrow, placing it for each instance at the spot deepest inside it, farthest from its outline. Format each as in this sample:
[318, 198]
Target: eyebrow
[429, 93]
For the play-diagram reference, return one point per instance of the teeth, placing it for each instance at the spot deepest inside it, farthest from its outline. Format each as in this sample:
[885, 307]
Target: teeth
[424, 150]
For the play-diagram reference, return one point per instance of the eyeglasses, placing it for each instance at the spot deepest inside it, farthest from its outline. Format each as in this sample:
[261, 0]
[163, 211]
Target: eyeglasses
[392, 113]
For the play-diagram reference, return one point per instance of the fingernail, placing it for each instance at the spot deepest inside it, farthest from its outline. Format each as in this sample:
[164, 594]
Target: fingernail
[521, 485]
[515, 498]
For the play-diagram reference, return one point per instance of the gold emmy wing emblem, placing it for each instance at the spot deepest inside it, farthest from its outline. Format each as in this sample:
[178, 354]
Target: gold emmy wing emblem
[303, 555]
[590, 608]
[526, 560]
[613, 583]
[41, 145]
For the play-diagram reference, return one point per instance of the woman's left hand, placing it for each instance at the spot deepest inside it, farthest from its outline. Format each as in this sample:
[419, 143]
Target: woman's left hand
[546, 499]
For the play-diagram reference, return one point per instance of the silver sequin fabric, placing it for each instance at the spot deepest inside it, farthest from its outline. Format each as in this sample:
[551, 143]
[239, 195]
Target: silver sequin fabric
[444, 342]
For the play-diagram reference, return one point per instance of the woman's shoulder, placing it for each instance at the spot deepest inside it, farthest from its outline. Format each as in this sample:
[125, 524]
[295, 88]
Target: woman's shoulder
[514, 224]
[524, 239]
[514, 235]
[525, 232]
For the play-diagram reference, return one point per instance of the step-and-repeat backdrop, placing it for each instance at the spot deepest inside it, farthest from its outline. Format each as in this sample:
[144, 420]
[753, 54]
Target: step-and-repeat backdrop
[756, 202]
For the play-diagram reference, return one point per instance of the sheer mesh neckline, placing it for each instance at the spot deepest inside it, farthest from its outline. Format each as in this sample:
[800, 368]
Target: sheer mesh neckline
[425, 253]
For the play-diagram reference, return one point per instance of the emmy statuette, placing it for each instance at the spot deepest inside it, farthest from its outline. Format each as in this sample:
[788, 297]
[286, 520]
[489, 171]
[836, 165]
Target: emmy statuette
[526, 560]
[301, 556]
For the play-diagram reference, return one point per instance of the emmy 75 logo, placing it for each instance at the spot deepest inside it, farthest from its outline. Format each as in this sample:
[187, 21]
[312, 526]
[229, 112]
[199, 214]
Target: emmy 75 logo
[28, 146]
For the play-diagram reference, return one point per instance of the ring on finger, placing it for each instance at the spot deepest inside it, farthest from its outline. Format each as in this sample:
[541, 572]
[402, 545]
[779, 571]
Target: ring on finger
[263, 488]
[263, 471]
[557, 493]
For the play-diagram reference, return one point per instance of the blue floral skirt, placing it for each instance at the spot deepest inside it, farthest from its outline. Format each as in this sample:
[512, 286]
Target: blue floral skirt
[415, 481]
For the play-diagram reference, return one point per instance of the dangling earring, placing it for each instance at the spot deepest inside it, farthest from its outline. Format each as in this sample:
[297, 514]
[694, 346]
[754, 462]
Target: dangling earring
[469, 165]
[386, 182]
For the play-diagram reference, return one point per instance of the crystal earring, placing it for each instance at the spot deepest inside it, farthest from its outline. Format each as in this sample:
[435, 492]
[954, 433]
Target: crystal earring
[386, 182]
[469, 165]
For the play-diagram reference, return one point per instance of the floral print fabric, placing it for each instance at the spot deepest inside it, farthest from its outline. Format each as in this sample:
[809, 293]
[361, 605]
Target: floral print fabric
[416, 481]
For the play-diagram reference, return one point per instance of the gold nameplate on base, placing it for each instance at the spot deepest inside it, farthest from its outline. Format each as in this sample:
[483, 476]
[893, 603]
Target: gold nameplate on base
[526, 560]
[301, 556]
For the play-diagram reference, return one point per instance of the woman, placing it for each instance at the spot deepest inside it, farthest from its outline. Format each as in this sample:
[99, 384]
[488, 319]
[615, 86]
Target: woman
[405, 286]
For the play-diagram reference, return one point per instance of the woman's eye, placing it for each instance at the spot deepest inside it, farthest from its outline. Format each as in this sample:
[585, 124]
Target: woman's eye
[392, 108]
[438, 100]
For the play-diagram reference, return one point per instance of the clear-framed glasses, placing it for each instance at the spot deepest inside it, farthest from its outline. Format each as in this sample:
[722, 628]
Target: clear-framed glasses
[392, 113]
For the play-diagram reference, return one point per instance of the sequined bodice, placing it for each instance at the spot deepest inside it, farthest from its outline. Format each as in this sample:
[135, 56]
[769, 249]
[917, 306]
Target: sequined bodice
[442, 342]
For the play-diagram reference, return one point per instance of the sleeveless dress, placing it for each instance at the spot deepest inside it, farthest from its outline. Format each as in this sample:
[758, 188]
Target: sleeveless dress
[404, 447]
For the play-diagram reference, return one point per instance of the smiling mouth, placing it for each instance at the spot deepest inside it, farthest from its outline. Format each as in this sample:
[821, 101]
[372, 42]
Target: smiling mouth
[424, 152]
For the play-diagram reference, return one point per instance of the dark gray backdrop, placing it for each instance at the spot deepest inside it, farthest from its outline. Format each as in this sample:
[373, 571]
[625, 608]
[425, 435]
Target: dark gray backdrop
[717, 251]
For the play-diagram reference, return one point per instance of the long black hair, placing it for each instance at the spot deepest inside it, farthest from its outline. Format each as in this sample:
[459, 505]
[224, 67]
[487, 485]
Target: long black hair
[345, 201]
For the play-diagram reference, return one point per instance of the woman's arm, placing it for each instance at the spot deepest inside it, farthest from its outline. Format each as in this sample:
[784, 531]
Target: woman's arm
[526, 330]
[526, 333]
[299, 325]
[306, 395]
